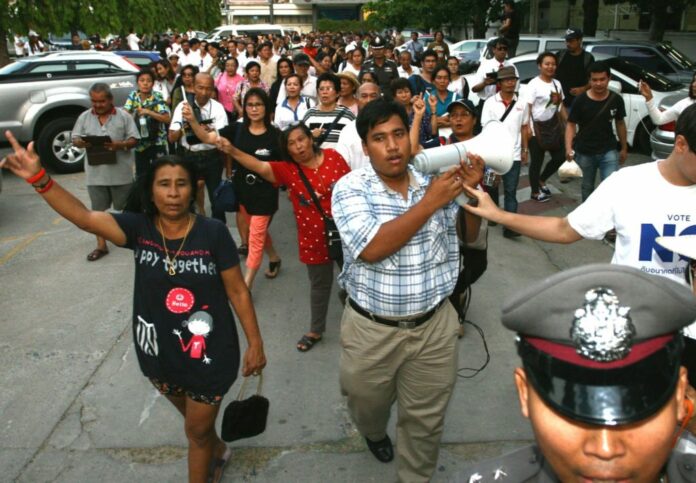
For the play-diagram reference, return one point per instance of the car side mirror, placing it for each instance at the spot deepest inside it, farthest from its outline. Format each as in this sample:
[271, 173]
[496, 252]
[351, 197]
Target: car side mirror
[615, 86]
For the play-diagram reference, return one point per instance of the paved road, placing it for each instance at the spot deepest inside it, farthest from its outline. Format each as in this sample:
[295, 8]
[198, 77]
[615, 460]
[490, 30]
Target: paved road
[75, 408]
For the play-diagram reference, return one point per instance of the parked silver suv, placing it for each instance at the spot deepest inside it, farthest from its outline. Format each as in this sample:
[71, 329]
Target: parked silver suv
[42, 96]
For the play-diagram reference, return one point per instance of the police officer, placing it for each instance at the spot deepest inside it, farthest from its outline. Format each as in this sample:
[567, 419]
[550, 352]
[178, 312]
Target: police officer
[383, 69]
[601, 380]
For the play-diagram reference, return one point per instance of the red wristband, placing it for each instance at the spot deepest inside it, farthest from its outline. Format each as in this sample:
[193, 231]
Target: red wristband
[48, 186]
[36, 177]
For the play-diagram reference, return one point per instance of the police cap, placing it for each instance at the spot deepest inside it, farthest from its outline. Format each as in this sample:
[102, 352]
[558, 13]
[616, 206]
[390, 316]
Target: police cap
[601, 344]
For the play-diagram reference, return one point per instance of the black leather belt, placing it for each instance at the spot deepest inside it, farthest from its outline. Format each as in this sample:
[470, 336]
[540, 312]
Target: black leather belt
[401, 324]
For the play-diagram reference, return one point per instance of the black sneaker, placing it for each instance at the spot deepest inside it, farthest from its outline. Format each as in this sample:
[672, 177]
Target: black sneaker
[541, 197]
[507, 233]
[382, 450]
[545, 189]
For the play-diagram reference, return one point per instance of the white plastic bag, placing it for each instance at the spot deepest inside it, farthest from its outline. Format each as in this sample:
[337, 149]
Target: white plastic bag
[570, 169]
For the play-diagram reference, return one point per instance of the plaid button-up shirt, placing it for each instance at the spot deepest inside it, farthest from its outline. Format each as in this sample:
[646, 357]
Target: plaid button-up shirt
[410, 281]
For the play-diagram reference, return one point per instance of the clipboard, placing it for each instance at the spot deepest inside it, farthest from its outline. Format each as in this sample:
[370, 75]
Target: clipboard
[97, 154]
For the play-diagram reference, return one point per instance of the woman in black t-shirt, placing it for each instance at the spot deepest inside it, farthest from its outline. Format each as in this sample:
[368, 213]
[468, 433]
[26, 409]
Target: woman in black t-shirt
[186, 273]
[258, 137]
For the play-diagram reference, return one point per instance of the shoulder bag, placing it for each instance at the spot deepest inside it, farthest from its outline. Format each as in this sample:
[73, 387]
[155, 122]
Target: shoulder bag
[549, 133]
[333, 238]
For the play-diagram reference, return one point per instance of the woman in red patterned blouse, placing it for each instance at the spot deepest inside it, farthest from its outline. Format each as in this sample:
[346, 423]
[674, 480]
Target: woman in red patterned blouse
[323, 168]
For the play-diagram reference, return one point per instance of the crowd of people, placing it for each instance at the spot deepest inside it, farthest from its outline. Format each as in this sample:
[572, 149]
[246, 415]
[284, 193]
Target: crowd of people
[335, 119]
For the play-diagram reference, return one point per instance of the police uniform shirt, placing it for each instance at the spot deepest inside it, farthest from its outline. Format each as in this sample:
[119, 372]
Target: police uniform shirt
[385, 73]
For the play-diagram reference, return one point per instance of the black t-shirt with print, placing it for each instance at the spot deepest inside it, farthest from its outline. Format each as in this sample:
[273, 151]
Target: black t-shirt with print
[183, 327]
[257, 195]
[595, 134]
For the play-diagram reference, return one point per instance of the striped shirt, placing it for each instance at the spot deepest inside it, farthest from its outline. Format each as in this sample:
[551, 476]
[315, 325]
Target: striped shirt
[410, 281]
[315, 118]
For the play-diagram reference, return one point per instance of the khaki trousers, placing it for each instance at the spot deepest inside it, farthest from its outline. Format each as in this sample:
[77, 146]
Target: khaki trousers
[417, 368]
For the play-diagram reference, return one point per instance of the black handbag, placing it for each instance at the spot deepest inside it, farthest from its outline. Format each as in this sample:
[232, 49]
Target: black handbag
[550, 133]
[333, 237]
[244, 418]
[224, 196]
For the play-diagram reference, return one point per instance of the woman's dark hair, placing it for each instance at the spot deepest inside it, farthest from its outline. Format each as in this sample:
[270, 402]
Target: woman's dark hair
[362, 75]
[140, 196]
[145, 72]
[692, 90]
[359, 49]
[236, 62]
[251, 64]
[543, 55]
[284, 61]
[254, 53]
[171, 75]
[442, 67]
[285, 135]
[686, 126]
[377, 112]
[285, 81]
[263, 96]
[329, 77]
[180, 80]
[400, 83]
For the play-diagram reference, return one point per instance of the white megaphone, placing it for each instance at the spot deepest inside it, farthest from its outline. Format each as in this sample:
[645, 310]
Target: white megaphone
[495, 145]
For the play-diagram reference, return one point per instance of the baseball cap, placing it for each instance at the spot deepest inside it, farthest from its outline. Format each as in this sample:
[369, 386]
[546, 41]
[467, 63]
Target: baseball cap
[301, 59]
[573, 33]
[466, 103]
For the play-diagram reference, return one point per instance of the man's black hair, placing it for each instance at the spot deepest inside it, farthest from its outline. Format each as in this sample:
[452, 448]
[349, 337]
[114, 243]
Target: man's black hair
[194, 41]
[598, 67]
[400, 83]
[330, 77]
[429, 53]
[377, 112]
[686, 126]
[500, 41]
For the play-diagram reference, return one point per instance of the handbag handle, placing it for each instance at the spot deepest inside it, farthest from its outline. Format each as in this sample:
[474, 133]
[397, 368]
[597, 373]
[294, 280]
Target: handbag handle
[259, 386]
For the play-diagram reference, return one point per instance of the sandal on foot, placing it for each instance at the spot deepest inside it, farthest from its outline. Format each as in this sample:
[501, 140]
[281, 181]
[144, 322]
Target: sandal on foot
[96, 254]
[273, 269]
[307, 342]
[217, 466]
[243, 250]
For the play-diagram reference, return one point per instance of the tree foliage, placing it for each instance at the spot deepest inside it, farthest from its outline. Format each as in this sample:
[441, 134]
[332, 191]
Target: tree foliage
[436, 14]
[659, 12]
[104, 17]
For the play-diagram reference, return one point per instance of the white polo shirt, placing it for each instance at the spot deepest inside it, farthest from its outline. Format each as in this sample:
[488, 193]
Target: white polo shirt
[493, 110]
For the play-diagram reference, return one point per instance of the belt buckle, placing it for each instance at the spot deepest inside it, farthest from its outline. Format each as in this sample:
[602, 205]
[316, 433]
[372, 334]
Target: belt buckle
[407, 324]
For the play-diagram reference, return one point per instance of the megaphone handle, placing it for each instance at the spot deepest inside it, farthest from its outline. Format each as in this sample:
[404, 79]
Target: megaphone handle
[462, 199]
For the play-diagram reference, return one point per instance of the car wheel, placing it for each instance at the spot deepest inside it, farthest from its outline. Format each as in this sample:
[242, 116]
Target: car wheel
[641, 142]
[56, 148]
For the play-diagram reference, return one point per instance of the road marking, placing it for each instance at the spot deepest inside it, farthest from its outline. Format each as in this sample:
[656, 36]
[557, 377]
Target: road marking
[21, 246]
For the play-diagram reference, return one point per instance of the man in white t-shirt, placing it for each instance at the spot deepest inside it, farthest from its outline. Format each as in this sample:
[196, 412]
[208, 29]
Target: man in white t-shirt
[133, 41]
[350, 145]
[641, 202]
[19, 45]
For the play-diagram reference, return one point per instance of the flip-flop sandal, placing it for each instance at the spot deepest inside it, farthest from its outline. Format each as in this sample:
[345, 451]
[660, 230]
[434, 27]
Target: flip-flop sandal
[307, 342]
[96, 254]
[273, 269]
[217, 467]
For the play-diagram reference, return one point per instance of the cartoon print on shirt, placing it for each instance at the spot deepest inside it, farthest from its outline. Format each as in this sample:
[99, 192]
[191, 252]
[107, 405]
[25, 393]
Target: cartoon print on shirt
[146, 337]
[200, 324]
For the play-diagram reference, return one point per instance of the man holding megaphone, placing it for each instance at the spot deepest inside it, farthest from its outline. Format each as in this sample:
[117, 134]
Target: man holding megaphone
[399, 331]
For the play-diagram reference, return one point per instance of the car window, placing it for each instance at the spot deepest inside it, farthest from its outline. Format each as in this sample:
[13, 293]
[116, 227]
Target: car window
[604, 49]
[677, 56]
[527, 70]
[49, 68]
[646, 58]
[13, 67]
[94, 66]
[555, 45]
[626, 88]
[468, 47]
[527, 47]
[657, 82]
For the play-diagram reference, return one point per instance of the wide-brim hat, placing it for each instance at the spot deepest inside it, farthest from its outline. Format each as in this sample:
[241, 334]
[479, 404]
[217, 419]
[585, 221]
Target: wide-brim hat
[349, 76]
